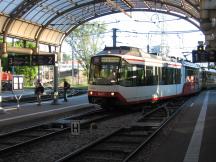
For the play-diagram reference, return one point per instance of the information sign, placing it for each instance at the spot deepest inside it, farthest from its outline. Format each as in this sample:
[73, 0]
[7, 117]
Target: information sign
[17, 82]
[75, 127]
[43, 59]
[17, 87]
[19, 60]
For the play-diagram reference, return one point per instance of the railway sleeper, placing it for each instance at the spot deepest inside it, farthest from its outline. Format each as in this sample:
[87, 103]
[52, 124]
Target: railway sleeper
[148, 124]
[154, 118]
[103, 148]
[131, 139]
[7, 143]
[123, 143]
[139, 128]
[35, 133]
[92, 159]
[104, 155]
[28, 136]
[135, 133]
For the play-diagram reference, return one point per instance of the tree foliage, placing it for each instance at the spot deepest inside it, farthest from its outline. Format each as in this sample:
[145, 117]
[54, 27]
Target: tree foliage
[29, 73]
[85, 42]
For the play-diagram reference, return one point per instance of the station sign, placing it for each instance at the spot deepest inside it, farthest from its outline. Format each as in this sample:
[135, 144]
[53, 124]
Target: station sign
[203, 56]
[19, 60]
[31, 60]
[43, 60]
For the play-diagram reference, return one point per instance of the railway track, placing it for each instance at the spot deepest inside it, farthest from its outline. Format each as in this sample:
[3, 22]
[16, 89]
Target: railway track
[23, 137]
[123, 143]
[12, 140]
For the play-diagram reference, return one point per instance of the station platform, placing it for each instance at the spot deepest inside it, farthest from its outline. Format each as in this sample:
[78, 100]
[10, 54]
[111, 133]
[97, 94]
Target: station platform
[29, 111]
[191, 137]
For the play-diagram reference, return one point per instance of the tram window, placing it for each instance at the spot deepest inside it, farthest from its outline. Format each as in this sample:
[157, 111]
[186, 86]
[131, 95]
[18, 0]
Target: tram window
[191, 74]
[140, 75]
[168, 75]
[178, 76]
[164, 76]
[160, 78]
[149, 75]
[126, 75]
[131, 75]
[155, 76]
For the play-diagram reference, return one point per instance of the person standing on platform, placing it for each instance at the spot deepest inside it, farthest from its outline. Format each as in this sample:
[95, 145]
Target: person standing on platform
[66, 87]
[39, 90]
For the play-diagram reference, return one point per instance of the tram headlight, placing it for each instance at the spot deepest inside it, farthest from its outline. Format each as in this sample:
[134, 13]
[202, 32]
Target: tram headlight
[91, 93]
[112, 94]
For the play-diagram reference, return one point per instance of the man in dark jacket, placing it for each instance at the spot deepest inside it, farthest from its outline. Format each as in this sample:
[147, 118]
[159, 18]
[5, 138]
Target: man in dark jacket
[39, 90]
[66, 87]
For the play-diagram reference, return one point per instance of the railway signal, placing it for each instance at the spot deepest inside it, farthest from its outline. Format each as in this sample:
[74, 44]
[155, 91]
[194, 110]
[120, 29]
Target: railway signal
[199, 56]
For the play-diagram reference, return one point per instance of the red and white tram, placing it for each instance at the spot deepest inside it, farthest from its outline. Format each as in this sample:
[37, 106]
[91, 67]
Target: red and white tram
[209, 78]
[126, 75]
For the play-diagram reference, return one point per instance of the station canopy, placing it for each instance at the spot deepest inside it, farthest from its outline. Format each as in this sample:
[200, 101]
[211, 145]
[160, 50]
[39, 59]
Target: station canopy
[50, 21]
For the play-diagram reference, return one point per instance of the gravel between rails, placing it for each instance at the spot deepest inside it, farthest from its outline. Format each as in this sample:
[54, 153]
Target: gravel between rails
[51, 149]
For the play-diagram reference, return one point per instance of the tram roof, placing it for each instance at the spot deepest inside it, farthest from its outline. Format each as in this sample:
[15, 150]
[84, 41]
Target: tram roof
[50, 21]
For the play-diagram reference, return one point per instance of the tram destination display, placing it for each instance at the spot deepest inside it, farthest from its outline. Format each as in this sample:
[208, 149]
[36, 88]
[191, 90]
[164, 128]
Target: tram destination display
[43, 60]
[19, 60]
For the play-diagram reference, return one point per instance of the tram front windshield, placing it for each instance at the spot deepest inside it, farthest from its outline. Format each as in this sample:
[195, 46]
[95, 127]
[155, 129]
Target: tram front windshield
[104, 70]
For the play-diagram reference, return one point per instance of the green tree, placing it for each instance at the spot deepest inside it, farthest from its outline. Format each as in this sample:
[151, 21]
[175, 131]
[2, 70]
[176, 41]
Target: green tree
[29, 73]
[66, 57]
[85, 42]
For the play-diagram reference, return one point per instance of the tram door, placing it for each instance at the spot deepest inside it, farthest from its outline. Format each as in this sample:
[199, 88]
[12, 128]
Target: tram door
[178, 80]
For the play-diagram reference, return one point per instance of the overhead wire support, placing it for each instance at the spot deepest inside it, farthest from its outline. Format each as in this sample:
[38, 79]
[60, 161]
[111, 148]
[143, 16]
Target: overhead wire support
[128, 3]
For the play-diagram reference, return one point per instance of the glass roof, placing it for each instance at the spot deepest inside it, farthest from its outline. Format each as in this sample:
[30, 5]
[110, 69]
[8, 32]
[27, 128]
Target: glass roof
[65, 15]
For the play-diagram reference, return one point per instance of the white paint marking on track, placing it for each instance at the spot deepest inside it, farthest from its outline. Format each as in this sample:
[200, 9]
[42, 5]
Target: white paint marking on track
[42, 112]
[193, 151]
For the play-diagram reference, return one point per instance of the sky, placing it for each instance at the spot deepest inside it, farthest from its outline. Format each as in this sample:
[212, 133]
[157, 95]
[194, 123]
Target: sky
[143, 28]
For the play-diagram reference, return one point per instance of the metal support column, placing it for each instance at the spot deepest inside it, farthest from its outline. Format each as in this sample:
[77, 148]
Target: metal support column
[114, 37]
[55, 84]
[2, 54]
[72, 66]
[1, 109]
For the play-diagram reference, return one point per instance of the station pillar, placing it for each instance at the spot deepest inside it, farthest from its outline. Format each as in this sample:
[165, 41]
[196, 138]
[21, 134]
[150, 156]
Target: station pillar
[55, 80]
[208, 22]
